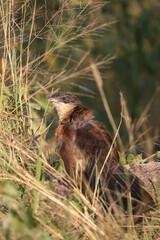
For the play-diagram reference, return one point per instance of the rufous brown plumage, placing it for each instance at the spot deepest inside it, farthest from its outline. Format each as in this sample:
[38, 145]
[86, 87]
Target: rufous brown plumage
[84, 144]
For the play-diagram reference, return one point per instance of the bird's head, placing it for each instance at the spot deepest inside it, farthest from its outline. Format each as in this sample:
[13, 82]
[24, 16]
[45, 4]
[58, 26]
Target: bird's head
[64, 103]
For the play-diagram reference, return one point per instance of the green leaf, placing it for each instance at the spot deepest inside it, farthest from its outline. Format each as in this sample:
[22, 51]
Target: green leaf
[35, 106]
[158, 154]
[123, 160]
[130, 158]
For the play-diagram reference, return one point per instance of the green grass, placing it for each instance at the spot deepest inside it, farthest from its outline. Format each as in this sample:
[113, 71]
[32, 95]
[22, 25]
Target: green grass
[32, 204]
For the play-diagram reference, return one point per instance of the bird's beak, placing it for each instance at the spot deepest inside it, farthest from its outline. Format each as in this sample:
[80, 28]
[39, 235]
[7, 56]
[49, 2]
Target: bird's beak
[52, 99]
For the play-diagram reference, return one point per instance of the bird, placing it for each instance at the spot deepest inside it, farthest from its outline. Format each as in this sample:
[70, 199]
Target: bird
[91, 158]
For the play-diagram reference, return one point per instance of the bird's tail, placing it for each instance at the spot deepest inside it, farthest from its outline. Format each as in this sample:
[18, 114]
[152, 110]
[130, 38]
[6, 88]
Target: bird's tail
[119, 187]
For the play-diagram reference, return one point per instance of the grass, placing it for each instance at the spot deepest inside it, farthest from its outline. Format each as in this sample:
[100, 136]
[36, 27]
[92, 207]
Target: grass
[33, 205]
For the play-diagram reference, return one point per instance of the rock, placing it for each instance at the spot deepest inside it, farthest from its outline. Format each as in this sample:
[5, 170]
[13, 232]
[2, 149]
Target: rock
[149, 174]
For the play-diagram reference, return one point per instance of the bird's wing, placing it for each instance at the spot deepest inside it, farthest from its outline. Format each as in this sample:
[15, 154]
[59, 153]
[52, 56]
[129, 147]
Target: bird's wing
[83, 143]
[94, 141]
[84, 146]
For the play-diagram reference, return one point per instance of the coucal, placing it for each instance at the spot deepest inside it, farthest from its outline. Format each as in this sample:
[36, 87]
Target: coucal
[84, 145]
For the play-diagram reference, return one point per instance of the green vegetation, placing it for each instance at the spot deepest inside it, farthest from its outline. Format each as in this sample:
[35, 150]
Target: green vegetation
[47, 45]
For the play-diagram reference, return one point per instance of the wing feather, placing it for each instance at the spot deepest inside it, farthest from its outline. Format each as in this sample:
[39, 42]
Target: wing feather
[86, 144]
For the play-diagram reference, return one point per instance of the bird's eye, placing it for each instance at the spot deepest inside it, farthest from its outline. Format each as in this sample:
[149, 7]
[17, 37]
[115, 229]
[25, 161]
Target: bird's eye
[64, 99]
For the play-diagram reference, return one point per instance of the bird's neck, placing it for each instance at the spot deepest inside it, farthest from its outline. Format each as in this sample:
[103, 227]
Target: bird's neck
[64, 110]
[81, 113]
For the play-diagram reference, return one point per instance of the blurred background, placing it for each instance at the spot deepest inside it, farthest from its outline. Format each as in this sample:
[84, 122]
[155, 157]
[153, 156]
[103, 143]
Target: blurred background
[60, 40]
[104, 52]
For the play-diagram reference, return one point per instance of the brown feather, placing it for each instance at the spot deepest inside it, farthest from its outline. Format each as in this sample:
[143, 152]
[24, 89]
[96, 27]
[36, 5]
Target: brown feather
[83, 143]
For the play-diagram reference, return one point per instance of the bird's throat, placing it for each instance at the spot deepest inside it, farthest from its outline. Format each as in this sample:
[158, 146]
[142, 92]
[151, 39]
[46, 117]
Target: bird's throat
[64, 110]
